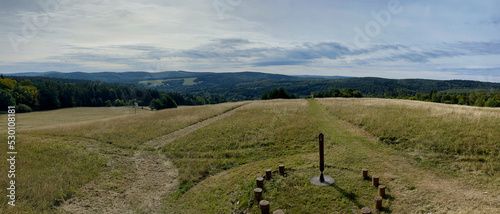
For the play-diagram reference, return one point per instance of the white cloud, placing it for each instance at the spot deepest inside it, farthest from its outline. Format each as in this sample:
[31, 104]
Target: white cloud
[425, 40]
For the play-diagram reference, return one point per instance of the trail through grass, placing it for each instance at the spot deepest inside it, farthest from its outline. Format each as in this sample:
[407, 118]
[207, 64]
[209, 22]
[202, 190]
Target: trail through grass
[410, 189]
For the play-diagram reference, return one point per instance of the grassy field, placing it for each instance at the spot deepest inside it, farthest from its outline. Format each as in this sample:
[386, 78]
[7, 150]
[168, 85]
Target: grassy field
[155, 83]
[433, 158]
[57, 155]
[457, 138]
[68, 116]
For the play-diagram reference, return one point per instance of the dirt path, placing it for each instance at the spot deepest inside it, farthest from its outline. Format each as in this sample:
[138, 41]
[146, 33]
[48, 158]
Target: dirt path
[163, 140]
[135, 182]
[431, 193]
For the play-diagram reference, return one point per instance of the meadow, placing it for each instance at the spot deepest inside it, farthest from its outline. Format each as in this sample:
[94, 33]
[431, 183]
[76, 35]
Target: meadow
[433, 158]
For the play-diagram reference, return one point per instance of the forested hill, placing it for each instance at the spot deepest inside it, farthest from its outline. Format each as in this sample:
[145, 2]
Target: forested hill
[251, 85]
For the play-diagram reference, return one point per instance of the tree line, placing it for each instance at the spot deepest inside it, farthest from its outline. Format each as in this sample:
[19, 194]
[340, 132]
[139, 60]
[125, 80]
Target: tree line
[280, 93]
[48, 94]
[472, 99]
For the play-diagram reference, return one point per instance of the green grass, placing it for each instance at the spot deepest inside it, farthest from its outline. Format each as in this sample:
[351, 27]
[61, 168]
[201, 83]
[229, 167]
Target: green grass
[224, 159]
[257, 131]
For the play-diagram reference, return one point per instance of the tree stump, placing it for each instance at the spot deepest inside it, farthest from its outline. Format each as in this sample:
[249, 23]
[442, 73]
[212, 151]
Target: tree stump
[260, 182]
[378, 203]
[375, 181]
[257, 194]
[268, 174]
[264, 207]
[381, 191]
[282, 169]
[364, 172]
[366, 210]
[278, 212]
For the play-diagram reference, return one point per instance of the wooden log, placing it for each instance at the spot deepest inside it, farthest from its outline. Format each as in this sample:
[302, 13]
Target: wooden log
[282, 169]
[366, 210]
[260, 182]
[264, 207]
[278, 212]
[268, 174]
[381, 191]
[375, 181]
[257, 194]
[364, 173]
[378, 203]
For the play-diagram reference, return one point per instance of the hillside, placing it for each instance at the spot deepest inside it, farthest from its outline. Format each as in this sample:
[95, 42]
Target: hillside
[250, 85]
[432, 158]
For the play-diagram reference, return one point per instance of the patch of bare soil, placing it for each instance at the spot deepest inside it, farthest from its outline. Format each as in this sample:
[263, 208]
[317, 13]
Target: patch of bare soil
[132, 183]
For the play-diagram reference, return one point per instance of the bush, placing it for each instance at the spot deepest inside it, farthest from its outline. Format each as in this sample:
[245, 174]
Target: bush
[163, 102]
[22, 108]
[277, 93]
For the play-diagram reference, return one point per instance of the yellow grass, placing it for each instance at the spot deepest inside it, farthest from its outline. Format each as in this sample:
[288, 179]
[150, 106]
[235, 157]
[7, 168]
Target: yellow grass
[72, 146]
[68, 116]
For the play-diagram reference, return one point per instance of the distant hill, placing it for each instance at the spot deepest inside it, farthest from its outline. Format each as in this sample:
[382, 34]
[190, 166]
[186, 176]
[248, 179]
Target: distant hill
[322, 77]
[250, 85]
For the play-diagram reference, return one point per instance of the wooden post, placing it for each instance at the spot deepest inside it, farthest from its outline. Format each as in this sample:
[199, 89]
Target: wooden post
[375, 181]
[364, 172]
[260, 182]
[257, 194]
[278, 212]
[378, 203]
[321, 157]
[282, 169]
[381, 191]
[366, 210]
[268, 174]
[264, 207]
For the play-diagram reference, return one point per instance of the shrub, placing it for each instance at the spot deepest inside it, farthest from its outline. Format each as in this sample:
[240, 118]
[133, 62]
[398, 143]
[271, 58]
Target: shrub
[22, 108]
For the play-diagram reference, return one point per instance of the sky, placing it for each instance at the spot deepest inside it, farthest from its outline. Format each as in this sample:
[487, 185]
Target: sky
[397, 39]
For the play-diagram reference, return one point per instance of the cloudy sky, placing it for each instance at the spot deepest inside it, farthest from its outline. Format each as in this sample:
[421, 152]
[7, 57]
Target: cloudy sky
[382, 38]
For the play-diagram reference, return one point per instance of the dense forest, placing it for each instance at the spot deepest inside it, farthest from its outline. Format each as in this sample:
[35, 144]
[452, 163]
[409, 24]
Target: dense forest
[192, 88]
[251, 85]
[473, 99]
[38, 93]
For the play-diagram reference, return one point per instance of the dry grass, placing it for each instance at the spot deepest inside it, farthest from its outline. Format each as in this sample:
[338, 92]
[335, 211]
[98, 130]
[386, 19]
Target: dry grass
[218, 163]
[452, 137]
[48, 171]
[69, 116]
[55, 160]
[223, 172]
[132, 131]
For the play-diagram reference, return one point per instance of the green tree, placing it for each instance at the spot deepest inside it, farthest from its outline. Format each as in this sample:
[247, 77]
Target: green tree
[108, 103]
[491, 103]
[479, 102]
[278, 93]
[163, 102]
[119, 102]
[6, 100]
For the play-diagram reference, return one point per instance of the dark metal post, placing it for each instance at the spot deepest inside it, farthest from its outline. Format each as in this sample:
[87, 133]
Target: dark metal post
[321, 157]
[322, 180]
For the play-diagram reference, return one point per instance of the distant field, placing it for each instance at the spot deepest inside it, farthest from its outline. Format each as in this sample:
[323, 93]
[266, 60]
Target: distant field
[433, 158]
[63, 117]
[162, 82]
